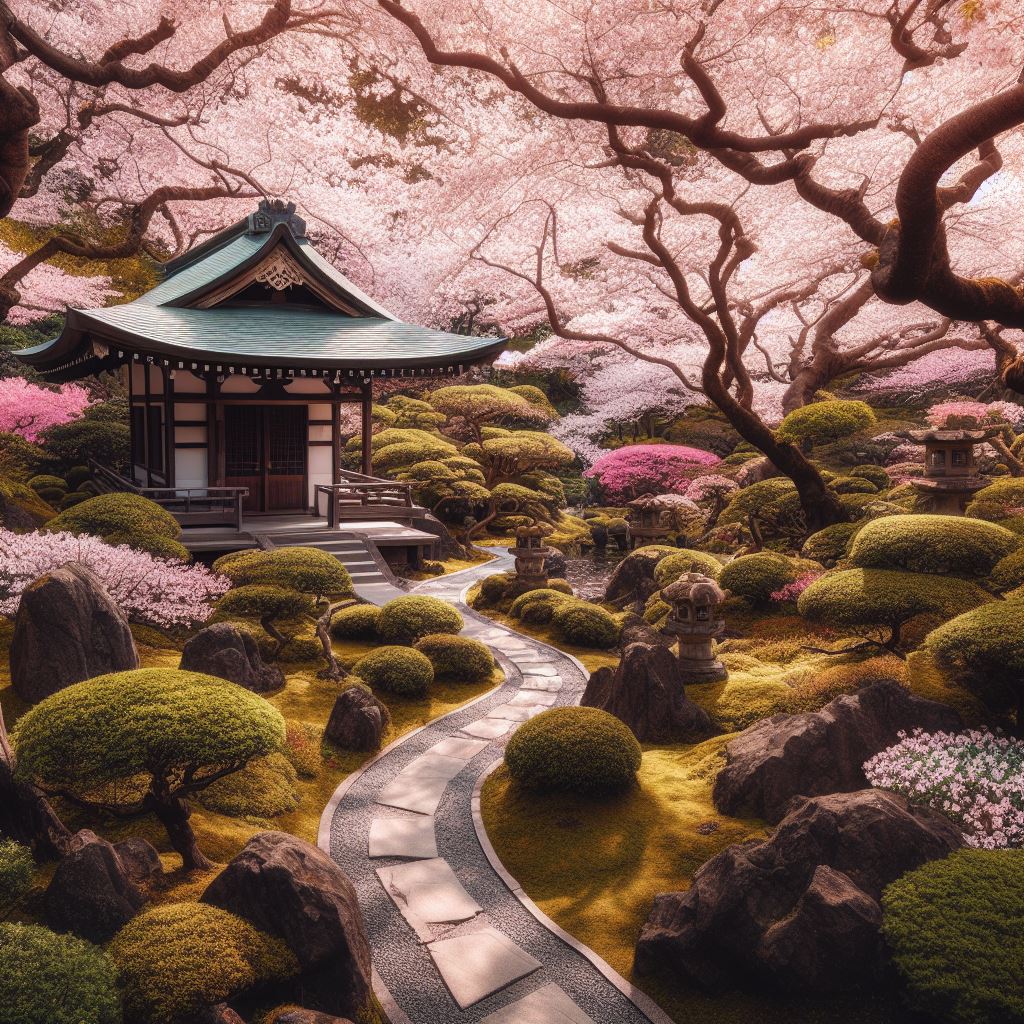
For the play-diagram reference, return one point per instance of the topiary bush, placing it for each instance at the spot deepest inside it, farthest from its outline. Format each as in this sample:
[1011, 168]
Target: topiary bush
[124, 519]
[669, 569]
[308, 570]
[105, 440]
[1009, 571]
[46, 481]
[537, 606]
[459, 658]
[932, 544]
[853, 485]
[982, 650]
[873, 601]
[264, 788]
[76, 476]
[495, 588]
[756, 577]
[830, 545]
[823, 422]
[1002, 499]
[176, 960]
[73, 498]
[54, 979]
[408, 619]
[956, 929]
[584, 624]
[876, 474]
[16, 866]
[357, 622]
[574, 750]
[399, 670]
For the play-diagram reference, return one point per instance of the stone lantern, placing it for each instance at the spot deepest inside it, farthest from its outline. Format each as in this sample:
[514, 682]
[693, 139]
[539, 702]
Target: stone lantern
[646, 522]
[695, 620]
[530, 552]
[951, 474]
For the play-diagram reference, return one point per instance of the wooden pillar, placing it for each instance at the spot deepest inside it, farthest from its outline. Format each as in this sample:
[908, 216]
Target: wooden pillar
[366, 427]
[335, 443]
[169, 428]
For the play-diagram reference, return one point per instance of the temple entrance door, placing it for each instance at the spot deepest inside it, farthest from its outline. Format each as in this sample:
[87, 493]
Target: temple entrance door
[265, 450]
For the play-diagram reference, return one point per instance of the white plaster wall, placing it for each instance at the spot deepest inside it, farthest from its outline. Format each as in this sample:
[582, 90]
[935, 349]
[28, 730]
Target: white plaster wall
[189, 435]
[186, 382]
[236, 384]
[138, 378]
[190, 467]
[308, 386]
[189, 411]
[319, 458]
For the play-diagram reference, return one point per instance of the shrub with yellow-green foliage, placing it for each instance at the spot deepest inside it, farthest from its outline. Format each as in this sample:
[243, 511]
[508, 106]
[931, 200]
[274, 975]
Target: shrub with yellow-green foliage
[47, 978]
[459, 658]
[982, 650]
[821, 685]
[853, 485]
[405, 620]
[399, 670]
[177, 959]
[537, 606]
[756, 577]
[1002, 499]
[584, 624]
[302, 747]
[824, 422]
[307, 570]
[356, 622]
[46, 481]
[685, 560]
[123, 518]
[495, 588]
[932, 544]
[1009, 571]
[773, 503]
[145, 741]
[575, 750]
[16, 866]
[830, 544]
[264, 788]
[876, 474]
[871, 602]
[956, 930]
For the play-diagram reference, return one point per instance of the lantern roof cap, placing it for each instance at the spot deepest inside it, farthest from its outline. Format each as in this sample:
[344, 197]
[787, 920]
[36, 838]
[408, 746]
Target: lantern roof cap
[696, 588]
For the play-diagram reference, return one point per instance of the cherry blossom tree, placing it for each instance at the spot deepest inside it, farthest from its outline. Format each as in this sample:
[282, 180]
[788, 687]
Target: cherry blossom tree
[28, 409]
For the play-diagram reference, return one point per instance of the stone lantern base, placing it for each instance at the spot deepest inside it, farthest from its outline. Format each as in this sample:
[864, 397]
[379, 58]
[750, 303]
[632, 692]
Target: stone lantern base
[701, 671]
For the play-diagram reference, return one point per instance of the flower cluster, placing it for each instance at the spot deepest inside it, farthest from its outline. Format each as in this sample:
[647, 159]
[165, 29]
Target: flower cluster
[975, 778]
[629, 472]
[964, 413]
[791, 591]
[28, 409]
[159, 591]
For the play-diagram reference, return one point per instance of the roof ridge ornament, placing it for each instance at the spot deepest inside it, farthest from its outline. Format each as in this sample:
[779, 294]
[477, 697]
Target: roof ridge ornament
[272, 212]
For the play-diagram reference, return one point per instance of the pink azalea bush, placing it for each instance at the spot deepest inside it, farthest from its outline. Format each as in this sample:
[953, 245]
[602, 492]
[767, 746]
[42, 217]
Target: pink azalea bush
[975, 778]
[158, 591]
[28, 409]
[791, 591]
[627, 473]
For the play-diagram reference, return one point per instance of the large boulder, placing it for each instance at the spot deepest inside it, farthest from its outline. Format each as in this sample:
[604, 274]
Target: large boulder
[140, 860]
[226, 651]
[67, 629]
[645, 691]
[633, 581]
[819, 751]
[799, 912]
[290, 889]
[91, 892]
[358, 720]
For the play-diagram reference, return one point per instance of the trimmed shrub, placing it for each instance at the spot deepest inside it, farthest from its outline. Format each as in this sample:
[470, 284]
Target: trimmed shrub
[16, 866]
[773, 502]
[822, 422]
[537, 606]
[853, 485]
[830, 545]
[562, 586]
[45, 482]
[54, 979]
[264, 788]
[756, 577]
[408, 619]
[73, 498]
[669, 569]
[982, 650]
[495, 589]
[74, 443]
[124, 519]
[1009, 571]
[76, 476]
[357, 622]
[1002, 499]
[459, 658]
[177, 959]
[51, 495]
[956, 928]
[584, 624]
[151, 543]
[399, 670]
[264, 603]
[308, 570]
[574, 750]
[861, 599]
[876, 474]
[932, 544]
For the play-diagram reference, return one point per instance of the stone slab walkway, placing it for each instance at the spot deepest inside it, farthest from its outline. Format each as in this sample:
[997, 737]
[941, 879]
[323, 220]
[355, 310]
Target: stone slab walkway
[454, 938]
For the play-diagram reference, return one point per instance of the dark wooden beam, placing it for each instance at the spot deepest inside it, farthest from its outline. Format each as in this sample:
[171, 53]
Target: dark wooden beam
[366, 427]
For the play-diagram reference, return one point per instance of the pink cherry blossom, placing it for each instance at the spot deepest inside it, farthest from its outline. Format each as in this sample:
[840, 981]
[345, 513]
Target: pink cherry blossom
[627, 473]
[28, 409]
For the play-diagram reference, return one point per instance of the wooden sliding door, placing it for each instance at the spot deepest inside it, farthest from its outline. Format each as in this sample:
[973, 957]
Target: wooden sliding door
[265, 450]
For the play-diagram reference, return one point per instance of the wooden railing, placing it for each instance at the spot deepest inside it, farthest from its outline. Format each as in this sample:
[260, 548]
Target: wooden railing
[191, 506]
[359, 496]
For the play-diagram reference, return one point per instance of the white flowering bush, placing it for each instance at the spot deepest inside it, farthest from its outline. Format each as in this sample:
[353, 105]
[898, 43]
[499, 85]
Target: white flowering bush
[975, 778]
[159, 591]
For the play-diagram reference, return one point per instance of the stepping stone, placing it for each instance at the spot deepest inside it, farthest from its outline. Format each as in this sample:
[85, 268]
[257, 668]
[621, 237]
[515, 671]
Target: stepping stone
[455, 746]
[402, 837]
[515, 714]
[532, 698]
[487, 728]
[434, 766]
[549, 683]
[428, 892]
[476, 965]
[414, 793]
[546, 1005]
[543, 670]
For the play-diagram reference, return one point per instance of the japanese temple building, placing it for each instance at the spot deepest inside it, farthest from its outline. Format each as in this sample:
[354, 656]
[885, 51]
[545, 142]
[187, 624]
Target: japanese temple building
[239, 362]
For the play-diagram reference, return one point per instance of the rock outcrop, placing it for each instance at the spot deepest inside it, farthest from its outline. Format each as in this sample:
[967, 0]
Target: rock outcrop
[140, 860]
[820, 751]
[633, 581]
[644, 691]
[67, 629]
[91, 893]
[290, 889]
[799, 912]
[226, 651]
[358, 720]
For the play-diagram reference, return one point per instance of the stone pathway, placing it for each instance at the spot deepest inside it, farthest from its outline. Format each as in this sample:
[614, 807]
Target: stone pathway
[454, 938]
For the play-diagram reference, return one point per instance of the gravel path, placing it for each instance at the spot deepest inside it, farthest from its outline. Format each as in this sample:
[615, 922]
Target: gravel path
[454, 939]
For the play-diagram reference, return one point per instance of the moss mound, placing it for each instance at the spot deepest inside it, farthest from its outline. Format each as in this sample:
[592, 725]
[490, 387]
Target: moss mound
[584, 624]
[537, 606]
[459, 658]
[124, 519]
[357, 622]
[669, 569]
[399, 670]
[756, 577]
[408, 619]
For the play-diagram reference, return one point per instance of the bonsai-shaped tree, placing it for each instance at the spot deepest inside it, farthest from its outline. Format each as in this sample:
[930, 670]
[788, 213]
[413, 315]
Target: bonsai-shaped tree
[472, 407]
[143, 742]
[289, 583]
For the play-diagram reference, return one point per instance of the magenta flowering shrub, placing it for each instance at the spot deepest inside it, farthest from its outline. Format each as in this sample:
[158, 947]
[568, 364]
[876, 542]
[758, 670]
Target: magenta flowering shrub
[162, 592]
[791, 591]
[627, 473]
[28, 409]
[975, 778]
